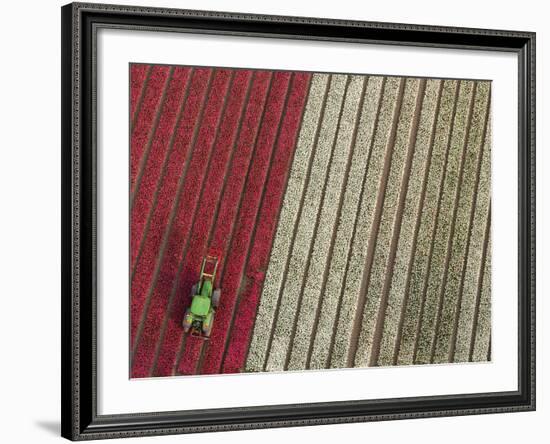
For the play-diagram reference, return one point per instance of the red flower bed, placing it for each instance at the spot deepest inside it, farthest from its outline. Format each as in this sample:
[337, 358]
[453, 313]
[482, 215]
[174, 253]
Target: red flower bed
[220, 193]
[138, 74]
[245, 313]
[251, 197]
[203, 139]
[145, 192]
[170, 340]
[166, 199]
[228, 205]
[146, 117]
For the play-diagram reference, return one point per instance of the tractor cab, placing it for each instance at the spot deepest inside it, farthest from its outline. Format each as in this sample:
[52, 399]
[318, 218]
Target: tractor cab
[201, 303]
[199, 317]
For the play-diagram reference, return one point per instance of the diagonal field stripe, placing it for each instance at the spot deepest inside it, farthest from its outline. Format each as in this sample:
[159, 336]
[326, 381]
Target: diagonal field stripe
[481, 336]
[238, 335]
[297, 267]
[174, 341]
[136, 182]
[166, 231]
[348, 323]
[193, 350]
[401, 268]
[223, 151]
[481, 341]
[428, 215]
[394, 187]
[316, 276]
[463, 215]
[340, 342]
[249, 206]
[144, 127]
[148, 264]
[386, 205]
[289, 212]
[190, 348]
[181, 227]
[155, 168]
[235, 353]
[445, 222]
[139, 74]
[331, 300]
[473, 269]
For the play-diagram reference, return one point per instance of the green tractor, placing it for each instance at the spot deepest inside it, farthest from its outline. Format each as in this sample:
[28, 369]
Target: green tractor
[199, 317]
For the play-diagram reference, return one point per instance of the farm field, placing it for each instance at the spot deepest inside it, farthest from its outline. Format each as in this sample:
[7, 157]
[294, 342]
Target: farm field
[350, 213]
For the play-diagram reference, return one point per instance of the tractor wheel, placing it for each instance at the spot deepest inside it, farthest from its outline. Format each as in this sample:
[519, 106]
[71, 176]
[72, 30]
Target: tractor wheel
[216, 297]
[206, 331]
[187, 321]
[194, 290]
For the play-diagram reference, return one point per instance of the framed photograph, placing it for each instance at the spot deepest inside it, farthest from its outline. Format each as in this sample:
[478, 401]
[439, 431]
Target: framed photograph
[277, 221]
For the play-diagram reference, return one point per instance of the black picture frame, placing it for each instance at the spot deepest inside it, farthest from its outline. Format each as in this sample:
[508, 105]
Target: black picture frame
[79, 171]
